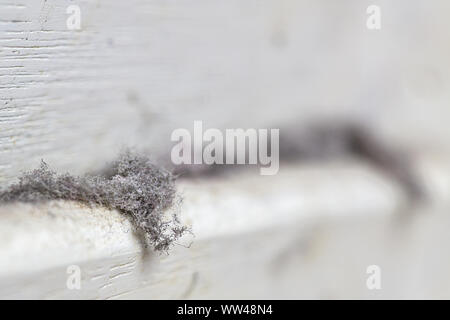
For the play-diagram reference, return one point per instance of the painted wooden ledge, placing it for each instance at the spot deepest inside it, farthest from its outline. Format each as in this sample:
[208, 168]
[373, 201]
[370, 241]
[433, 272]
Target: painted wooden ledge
[255, 237]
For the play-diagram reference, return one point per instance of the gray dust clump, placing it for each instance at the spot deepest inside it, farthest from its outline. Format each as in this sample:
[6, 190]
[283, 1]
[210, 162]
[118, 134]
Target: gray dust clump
[131, 184]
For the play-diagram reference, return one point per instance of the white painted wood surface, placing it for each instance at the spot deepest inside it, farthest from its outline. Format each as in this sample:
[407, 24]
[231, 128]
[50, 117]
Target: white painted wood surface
[138, 69]
[255, 237]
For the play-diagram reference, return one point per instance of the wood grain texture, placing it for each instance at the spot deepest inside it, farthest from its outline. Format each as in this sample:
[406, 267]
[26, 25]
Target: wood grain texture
[138, 69]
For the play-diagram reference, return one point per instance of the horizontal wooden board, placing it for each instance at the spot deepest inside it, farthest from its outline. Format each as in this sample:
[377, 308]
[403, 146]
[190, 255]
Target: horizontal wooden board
[257, 237]
[138, 69]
